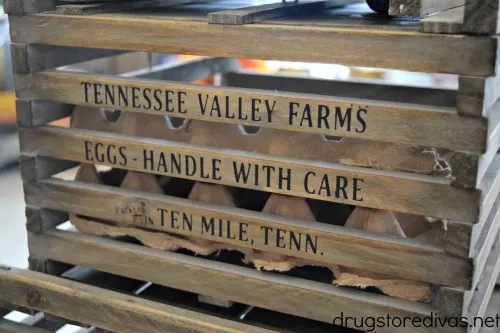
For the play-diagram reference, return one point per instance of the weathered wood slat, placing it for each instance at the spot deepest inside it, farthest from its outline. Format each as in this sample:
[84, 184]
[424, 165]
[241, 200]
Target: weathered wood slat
[338, 116]
[414, 194]
[116, 6]
[421, 7]
[398, 49]
[477, 95]
[331, 244]
[482, 17]
[25, 7]
[447, 22]
[276, 142]
[318, 301]
[260, 13]
[106, 309]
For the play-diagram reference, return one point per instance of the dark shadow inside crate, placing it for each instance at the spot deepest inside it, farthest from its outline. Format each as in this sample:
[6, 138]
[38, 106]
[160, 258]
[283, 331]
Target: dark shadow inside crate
[237, 312]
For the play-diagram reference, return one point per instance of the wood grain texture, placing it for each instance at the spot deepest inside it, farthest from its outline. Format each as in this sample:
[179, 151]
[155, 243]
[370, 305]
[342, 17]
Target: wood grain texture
[89, 8]
[388, 48]
[338, 245]
[477, 95]
[446, 22]
[38, 263]
[464, 168]
[457, 239]
[366, 187]
[260, 13]
[317, 301]
[364, 119]
[107, 309]
[421, 7]
[39, 220]
[404, 7]
[346, 151]
[26, 7]
[450, 302]
[481, 17]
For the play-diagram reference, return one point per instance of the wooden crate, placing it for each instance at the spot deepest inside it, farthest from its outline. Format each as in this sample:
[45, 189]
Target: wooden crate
[144, 307]
[389, 151]
[94, 287]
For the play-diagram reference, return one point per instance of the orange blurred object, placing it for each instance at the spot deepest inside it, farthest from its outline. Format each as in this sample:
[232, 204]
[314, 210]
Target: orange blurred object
[258, 65]
[7, 107]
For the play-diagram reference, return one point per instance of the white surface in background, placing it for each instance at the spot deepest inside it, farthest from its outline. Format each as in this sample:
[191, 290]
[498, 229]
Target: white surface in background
[13, 238]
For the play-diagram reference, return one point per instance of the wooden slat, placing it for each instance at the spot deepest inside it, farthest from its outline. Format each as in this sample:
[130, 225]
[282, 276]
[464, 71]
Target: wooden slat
[417, 194]
[116, 6]
[40, 220]
[25, 7]
[447, 22]
[318, 301]
[348, 151]
[398, 49]
[477, 95]
[106, 309]
[338, 116]
[7, 326]
[260, 13]
[338, 245]
[479, 17]
[482, 17]
[421, 7]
